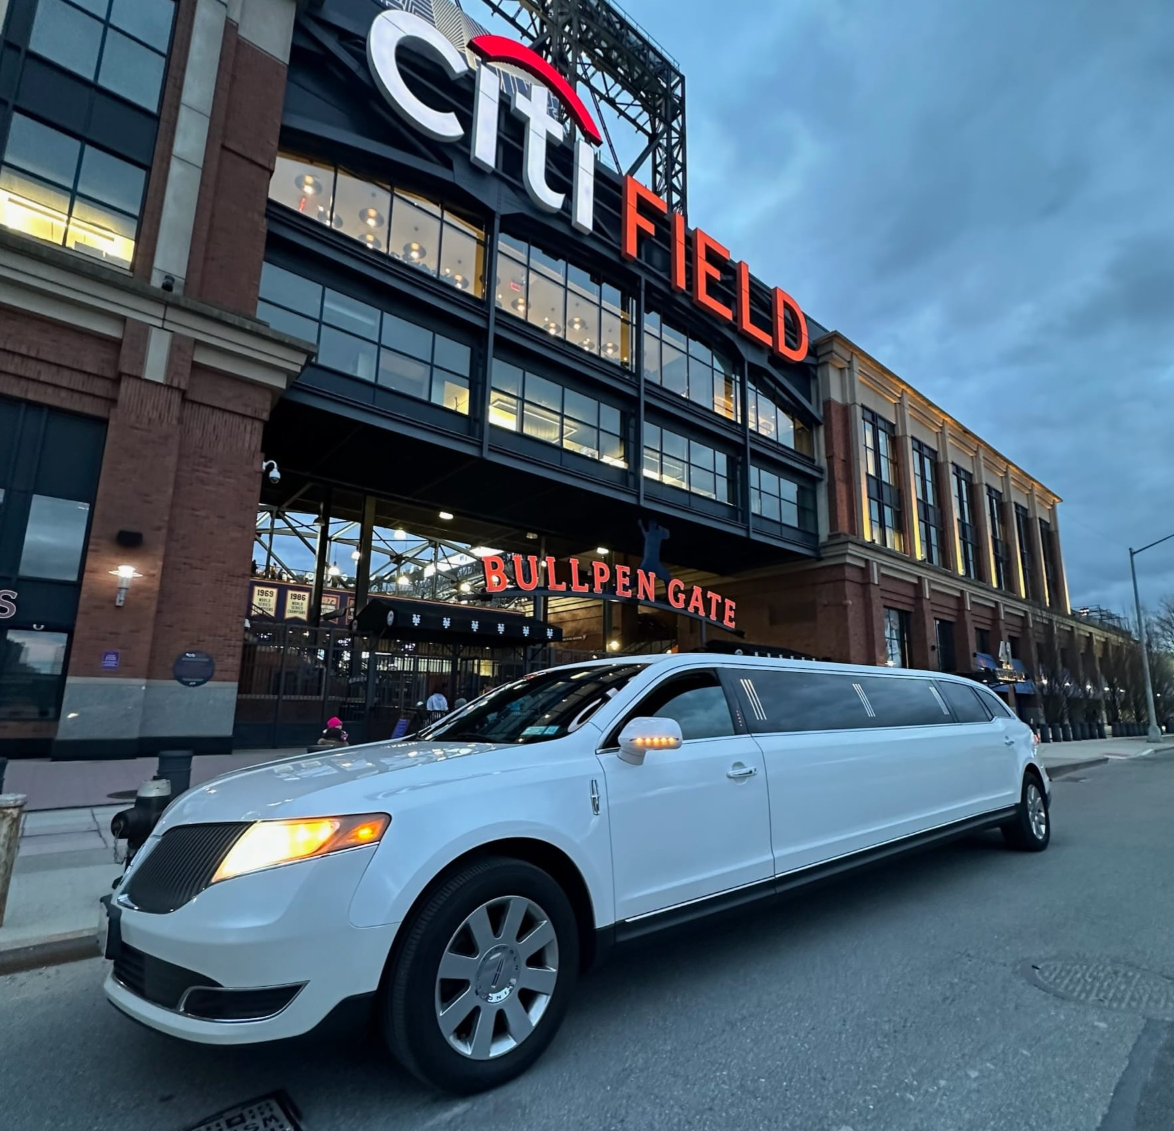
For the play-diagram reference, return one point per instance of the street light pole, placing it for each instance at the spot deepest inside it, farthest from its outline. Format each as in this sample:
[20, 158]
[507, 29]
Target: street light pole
[1154, 732]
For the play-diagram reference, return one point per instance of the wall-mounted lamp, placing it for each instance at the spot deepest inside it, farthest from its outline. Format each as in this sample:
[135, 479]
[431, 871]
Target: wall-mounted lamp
[125, 574]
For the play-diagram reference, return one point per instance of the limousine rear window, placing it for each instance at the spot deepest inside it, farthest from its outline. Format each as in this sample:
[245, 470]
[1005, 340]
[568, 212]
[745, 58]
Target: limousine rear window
[967, 704]
[776, 701]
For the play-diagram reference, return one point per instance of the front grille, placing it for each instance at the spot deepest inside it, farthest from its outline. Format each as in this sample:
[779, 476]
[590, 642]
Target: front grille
[153, 979]
[181, 865]
[238, 1005]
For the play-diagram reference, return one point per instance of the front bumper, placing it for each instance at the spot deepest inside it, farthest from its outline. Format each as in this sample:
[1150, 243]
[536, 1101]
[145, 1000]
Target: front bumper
[282, 927]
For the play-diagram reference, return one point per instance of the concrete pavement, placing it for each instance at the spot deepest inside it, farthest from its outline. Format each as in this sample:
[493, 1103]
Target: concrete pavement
[902, 999]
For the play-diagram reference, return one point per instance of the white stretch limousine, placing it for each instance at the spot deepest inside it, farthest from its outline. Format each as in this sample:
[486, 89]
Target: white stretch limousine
[460, 880]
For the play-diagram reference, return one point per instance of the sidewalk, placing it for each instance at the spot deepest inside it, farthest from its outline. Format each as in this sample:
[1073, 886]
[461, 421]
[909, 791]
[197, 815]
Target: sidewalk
[66, 858]
[72, 785]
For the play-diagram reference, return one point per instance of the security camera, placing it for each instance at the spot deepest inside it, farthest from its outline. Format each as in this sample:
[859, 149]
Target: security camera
[270, 465]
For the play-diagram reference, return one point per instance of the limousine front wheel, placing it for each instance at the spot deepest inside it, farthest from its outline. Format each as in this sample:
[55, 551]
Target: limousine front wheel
[484, 977]
[1031, 827]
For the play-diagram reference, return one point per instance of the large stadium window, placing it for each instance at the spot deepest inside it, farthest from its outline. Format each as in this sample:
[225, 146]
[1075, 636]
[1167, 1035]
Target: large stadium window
[775, 423]
[524, 402]
[563, 300]
[363, 341]
[691, 466]
[777, 498]
[689, 368]
[387, 221]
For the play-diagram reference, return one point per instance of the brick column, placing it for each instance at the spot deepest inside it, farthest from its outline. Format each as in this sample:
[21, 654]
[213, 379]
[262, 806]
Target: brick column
[982, 526]
[1059, 599]
[840, 441]
[1038, 585]
[182, 468]
[912, 537]
[874, 619]
[923, 630]
[1011, 528]
[964, 636]
[945, 473]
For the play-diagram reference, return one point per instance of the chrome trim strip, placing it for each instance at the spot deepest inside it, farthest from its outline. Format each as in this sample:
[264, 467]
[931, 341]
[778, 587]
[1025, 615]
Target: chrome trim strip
[700, 899]
[864, 699]
[179, 1010]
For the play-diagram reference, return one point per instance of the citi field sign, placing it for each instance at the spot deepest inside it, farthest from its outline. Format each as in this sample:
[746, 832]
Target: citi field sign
[642, 209]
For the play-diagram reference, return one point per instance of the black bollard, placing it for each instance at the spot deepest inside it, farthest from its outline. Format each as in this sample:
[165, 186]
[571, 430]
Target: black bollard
[176, 767]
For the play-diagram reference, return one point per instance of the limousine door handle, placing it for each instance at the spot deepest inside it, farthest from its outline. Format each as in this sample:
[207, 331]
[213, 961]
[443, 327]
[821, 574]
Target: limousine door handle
[738, 770]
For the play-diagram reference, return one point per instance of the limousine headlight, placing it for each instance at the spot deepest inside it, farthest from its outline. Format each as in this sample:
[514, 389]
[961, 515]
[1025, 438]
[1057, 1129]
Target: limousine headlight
[265, 844]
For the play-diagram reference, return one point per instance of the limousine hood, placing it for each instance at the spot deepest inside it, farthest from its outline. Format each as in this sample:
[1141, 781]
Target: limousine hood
[349, 780]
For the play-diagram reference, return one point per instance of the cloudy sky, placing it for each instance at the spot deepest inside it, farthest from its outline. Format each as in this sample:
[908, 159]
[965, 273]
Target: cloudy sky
[980, 193]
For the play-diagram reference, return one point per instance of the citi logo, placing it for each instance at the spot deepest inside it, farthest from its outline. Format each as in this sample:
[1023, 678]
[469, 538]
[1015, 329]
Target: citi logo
[393, 29]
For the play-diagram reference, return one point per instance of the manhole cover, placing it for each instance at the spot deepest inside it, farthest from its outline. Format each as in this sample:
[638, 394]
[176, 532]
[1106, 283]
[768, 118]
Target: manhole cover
[268, 1113]
[1111, 985]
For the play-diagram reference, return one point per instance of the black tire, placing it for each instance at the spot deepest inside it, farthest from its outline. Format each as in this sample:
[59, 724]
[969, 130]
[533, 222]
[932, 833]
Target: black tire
[1021, 833]
[409, 1006]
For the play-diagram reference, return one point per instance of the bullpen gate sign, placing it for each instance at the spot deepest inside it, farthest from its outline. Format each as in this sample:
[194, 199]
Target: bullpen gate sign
[599, 579]
[642, 209]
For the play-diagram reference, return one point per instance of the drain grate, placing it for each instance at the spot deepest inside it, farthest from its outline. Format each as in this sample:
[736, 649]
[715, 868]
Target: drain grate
[274, 1112]
[1110, 985]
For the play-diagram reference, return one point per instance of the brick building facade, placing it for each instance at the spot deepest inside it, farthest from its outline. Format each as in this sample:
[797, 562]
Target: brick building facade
[165, 353]
[156, 163]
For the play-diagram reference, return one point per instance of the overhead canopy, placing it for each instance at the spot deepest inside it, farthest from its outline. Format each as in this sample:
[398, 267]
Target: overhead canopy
[1024, 686]
[436, 622]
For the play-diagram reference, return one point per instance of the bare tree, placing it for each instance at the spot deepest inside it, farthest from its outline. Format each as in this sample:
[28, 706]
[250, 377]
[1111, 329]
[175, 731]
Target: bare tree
[1052, 694]
[1113, 674]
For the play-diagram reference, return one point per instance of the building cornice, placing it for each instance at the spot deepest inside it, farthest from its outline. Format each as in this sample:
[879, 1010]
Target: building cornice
[63, 286]
[834, 345]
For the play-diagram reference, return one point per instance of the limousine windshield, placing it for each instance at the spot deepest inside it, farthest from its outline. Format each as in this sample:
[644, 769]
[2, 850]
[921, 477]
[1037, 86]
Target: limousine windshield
[540, 707]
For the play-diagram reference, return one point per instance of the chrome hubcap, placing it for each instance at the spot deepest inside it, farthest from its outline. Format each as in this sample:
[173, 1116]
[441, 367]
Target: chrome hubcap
[496, 977]
[1037, 812]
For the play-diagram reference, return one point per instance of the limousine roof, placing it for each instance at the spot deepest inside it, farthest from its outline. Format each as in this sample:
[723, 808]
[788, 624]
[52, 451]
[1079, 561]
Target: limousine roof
[725, 659]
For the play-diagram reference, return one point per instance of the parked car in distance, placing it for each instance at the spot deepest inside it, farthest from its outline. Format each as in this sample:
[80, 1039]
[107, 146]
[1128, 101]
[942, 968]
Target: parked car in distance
[461, 880]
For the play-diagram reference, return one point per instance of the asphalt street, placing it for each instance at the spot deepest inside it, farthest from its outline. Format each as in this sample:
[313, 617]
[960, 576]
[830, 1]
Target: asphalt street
[909, 998]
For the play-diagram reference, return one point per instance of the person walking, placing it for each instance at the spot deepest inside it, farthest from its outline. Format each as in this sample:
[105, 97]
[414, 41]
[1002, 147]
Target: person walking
[437, 701]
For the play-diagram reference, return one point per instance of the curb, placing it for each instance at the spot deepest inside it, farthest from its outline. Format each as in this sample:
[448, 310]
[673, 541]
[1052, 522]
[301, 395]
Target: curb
[52, 951]
[1068, 767]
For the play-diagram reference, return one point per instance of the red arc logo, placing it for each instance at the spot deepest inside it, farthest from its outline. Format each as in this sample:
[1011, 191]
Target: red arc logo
[499, 49]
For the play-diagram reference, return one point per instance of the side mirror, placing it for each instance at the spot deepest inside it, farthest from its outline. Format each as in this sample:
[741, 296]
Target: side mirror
[644, 734]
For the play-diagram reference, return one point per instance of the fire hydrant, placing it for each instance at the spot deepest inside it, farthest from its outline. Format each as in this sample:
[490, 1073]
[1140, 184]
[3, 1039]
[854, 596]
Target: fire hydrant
[11, 811]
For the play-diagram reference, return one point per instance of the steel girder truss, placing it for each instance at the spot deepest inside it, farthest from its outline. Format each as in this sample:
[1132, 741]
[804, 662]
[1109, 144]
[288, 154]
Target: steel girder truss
[594, 43]
[402, 564]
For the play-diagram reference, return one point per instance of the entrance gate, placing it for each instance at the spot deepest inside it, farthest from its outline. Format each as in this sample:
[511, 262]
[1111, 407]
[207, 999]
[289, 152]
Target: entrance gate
[294, 678]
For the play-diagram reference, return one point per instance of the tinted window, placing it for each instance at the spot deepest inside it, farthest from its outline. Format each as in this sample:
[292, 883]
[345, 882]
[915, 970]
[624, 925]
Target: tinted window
[801, 701]
[965, 702]
[54, 538]
[904, 702]
[994, 704]
[696, 701]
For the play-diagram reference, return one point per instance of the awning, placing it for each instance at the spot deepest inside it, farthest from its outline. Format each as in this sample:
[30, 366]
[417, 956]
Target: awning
[437, 622]
[1024, 686]
[985, 662]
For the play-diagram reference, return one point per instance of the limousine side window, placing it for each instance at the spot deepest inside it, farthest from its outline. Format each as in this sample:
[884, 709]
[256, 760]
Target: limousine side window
[799, 701]
[967, 704]
[695, 700]
[902, 702]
